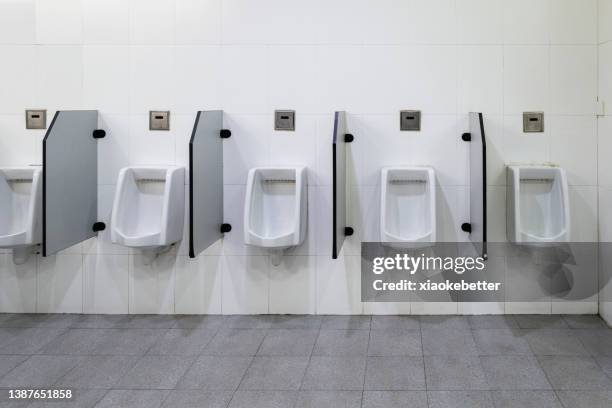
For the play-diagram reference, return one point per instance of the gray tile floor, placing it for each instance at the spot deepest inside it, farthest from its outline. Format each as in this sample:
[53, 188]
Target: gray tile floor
[310, 361]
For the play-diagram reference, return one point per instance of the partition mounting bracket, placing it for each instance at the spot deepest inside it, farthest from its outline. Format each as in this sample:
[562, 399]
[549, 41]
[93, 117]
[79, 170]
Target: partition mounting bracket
[99, 134]
[225, 228]
[225, 133]
[348, 138]
[466, 137]
[99, 226]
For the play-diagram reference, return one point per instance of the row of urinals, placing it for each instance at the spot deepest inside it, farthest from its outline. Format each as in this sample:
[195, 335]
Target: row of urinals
[149, 205]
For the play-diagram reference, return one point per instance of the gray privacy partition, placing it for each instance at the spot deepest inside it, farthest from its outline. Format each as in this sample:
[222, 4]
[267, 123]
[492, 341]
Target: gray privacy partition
[339, 220]
[70, 180]
[206, 181]
[477, 227]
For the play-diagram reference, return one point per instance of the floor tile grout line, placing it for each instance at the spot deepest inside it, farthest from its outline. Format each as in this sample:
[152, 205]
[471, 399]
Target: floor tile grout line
[314, 343]
[247, 369]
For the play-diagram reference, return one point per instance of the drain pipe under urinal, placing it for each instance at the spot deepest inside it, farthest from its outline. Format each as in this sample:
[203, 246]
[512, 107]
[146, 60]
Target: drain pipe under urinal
[149, 255]
[276, 256]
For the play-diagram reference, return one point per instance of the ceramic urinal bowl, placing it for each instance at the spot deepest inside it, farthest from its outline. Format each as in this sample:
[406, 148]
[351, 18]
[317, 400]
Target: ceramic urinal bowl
[149, 209]
[276, 208]
[408, 206]
[538, 205]
[20, 210]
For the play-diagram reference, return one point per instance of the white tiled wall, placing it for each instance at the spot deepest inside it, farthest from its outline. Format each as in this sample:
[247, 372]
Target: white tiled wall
[368, 57]
[605, 150]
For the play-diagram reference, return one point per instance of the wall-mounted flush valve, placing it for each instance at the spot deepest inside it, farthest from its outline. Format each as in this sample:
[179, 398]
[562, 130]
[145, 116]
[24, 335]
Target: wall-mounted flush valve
[533, 122]
[225, 228]
[410, 121]
[225, 133]
[284, 120]
[159, 120]
[466, 227]
[36, 119]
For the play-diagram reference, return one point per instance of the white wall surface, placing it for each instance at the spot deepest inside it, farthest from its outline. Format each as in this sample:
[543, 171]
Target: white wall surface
[605, 149]
[368, 57]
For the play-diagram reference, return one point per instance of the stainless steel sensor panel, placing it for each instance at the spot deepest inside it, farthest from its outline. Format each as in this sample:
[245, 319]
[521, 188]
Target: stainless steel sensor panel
[533, 122]
[284, 120]
[36, 119]
[410, 120]
[159, 120]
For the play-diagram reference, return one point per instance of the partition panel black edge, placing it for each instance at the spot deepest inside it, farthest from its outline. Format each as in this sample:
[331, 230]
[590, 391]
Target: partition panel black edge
[191, 140]
[338, 183]
[205, 181]
[70, 180]
[478, 182]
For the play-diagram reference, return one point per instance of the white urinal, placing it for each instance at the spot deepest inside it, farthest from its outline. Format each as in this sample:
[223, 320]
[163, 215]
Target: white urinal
[149, 209]
[20, 210]
[408, 205]
[276, 208]
[537, 205]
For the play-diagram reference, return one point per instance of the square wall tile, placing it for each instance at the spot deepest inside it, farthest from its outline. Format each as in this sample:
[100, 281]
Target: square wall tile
[106, 22]
[60, 284]
[59, 22]
[327, 14]
[19, 146]
[338, 70]
[480, 79]
[605, 216]
[583, 207]
[152, 286]
[292, 78]
[293, 285]
[339, 285]
[387, 22]
[106, 85]
[59, 77]
[244, 86]
[573, 21]
[605, 17]
[245, 285]
[197, 78]
[18, 22]
[479, 21]
[245, 22]
[151, 71]
[526, 79]
[434, 87]
[198, 288]
[605, 150]
[106, 284]
[152, 22]
[527, 21]
[573, 79]
[198, 21]
[605, 75]
[16, 73]
[444, 12]
[573, 146]
[520, 147]
[17, 285]
[151, 147]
